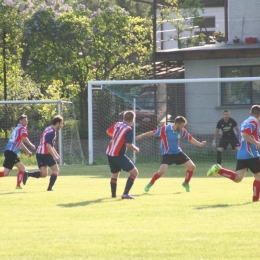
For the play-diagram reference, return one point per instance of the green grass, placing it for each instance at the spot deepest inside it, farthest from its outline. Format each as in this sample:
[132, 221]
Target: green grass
[79, 220]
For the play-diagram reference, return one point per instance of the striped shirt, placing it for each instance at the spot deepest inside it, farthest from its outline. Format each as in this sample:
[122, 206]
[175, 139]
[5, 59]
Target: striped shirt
[48, 137]
[170, 139]
[121, 134]
[246, 149]
[15, 141]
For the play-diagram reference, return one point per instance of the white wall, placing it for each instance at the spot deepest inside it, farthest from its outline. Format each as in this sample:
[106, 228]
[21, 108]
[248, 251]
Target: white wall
[243, 19]
[202, 100]
[218, 12]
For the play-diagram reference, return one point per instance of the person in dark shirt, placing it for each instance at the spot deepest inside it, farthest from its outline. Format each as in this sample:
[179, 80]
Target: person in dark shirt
[227, 126]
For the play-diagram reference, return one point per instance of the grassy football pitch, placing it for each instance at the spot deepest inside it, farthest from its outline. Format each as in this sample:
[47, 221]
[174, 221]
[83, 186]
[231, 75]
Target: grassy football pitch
[79, 220]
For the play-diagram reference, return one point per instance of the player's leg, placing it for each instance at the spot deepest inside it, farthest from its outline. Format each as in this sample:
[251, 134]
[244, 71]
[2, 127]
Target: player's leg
[256, 187]
[190, 168]
[167, 159]
[54, 174]
[163, 168]
[236, 176]
[8, 164]
[255, 169]
[21, 169]
[127, 165]
[113, 183]
[37, 174]
[115, 172]
[223, 144]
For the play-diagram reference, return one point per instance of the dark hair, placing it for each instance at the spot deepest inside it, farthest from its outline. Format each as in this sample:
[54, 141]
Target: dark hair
[180, 119]
[57, 119]
[128, 116]
[255, 110]
[21, 117]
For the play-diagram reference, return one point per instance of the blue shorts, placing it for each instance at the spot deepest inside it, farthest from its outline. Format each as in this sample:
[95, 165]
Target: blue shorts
[121, 162]
[45, 160]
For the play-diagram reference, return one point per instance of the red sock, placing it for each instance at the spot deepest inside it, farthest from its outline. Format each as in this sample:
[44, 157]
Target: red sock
[155, 177]
[227, 173]
[188, 176]
[2, 174]
[256, 190]
[19, 178]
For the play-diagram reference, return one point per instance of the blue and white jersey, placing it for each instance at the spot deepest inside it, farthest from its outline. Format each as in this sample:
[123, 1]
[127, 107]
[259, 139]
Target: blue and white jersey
[15, 141]
[248, 150]
[170, 139]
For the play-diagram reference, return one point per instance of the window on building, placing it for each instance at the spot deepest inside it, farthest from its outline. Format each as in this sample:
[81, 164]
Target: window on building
[237, 93]
[205, 22]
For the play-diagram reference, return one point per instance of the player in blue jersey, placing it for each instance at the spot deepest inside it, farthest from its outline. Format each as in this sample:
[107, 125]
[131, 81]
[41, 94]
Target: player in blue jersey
[16, 142]
[171, 151]
[247, 156]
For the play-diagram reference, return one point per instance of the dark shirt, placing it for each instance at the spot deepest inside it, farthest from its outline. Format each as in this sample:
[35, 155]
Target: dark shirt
[227, 127]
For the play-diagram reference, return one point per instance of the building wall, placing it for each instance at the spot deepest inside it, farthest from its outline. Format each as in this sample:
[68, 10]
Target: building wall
[218, 12]
[243, 19]
[202, 100]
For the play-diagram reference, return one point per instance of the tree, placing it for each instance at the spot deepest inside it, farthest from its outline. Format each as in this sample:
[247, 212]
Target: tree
[75, 46]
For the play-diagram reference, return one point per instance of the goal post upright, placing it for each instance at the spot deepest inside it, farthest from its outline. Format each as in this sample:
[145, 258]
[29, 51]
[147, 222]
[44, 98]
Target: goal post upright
[95, 85]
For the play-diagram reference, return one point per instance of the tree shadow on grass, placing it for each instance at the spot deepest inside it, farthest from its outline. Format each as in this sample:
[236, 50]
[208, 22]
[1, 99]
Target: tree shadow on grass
[221, 206]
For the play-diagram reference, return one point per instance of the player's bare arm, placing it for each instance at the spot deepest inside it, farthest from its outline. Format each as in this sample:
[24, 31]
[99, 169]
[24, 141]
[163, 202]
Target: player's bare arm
[50, 149]
[147, 134]
[132, 147]
[25, 149]
[27, 141]
[197, 143]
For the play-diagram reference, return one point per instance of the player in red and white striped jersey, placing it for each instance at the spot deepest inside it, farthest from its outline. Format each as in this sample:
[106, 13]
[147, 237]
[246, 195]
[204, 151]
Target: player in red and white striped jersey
[46, 154]
[122, 139]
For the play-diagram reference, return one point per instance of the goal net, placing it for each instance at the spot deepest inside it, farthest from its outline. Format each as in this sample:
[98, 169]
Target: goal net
[40, 114]
[158, 102]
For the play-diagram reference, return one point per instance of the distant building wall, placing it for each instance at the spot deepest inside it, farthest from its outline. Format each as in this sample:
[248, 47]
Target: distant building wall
[243, 19]
[217, 12]
[202, 100]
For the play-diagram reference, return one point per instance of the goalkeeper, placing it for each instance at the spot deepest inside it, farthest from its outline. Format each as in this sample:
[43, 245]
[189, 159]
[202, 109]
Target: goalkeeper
[227, 126]
[170, 136]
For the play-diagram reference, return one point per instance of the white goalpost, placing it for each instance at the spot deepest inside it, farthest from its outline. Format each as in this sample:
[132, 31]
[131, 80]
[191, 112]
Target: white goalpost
[40, 114]
[158, 102]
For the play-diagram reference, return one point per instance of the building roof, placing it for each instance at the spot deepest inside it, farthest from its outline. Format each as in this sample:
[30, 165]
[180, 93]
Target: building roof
[210, 51]
[165, 69]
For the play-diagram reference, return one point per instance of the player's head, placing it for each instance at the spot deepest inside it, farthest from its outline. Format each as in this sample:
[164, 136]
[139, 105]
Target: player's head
[129, 117]
[23, 120]
[57, 122]
[255, 111]
[180, 122]
[226, 114]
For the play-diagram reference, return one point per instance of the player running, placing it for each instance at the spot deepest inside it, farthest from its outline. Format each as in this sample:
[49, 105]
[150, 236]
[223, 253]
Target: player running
[170, 136]
[46, 154]
[16, 142]
[247, 156]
